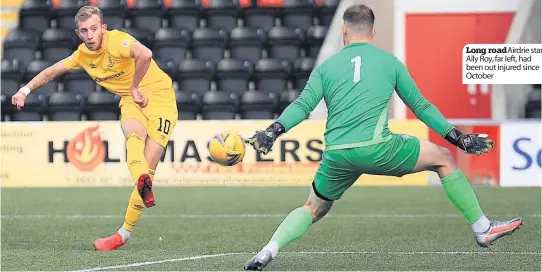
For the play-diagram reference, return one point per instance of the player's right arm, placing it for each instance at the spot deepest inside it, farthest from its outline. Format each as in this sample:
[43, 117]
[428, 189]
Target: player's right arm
[433, 118]
[294, 114]
[43, 78]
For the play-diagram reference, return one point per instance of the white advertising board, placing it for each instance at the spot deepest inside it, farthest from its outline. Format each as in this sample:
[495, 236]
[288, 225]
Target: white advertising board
[521, 149]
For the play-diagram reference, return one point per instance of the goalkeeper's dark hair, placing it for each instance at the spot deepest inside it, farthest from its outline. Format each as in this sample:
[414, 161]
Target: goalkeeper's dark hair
[359, 18]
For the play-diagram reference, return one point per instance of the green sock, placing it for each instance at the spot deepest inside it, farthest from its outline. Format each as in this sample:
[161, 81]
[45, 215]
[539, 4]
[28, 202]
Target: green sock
[460, 192]
[293, 226]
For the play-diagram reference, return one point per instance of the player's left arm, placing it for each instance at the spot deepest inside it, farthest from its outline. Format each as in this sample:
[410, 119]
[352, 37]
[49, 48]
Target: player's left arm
[294, 114]
[433, 118]
[128, 47]
[142, 57]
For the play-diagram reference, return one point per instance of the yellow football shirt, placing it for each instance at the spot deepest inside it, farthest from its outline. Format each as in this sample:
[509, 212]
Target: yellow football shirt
[113, 68]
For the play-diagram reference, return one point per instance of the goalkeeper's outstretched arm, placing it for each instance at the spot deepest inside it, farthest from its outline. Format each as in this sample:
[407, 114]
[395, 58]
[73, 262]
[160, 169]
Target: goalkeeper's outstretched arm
[433, 118]
[300, 108]
[294, 114]
[423, 109]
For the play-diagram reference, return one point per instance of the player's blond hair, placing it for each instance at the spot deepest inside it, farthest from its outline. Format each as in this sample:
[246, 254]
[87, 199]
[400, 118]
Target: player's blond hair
[86, 12]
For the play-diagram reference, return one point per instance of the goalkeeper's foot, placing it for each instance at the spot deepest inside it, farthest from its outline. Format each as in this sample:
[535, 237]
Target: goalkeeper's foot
[259, 261]
[144, 186]
[497, 229]
[109, 243]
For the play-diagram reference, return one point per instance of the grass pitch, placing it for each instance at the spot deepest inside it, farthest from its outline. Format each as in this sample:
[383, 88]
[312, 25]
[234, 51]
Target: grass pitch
[370, 228]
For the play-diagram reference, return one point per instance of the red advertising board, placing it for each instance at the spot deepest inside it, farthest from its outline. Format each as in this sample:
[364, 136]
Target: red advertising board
[434, 43]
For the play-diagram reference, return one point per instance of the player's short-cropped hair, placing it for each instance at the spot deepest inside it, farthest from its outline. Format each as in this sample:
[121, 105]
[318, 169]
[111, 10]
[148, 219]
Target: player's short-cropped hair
[359, 17]
[86, 12]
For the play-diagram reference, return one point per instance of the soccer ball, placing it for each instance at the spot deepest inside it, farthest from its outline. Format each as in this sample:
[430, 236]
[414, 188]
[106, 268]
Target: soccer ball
[227, 148]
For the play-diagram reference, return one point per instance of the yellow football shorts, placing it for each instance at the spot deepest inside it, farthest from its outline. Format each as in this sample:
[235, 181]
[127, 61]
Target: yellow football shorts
[159, 116]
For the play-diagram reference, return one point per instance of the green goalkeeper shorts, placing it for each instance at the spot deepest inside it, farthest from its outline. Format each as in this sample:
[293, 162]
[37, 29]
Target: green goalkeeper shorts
[340, 168]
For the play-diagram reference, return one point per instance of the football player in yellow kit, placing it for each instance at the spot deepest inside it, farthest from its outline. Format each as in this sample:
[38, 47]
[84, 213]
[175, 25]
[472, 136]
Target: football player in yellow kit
[122, 65]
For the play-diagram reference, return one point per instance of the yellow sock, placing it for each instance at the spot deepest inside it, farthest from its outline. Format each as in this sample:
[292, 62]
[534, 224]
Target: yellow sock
[135, 207]
[137, 164]
[134, 210]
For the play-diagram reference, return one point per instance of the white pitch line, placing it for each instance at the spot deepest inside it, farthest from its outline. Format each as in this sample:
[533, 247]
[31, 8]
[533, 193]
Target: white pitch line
[418, 252]
[200, 257]
[211, 216]
[157, 262]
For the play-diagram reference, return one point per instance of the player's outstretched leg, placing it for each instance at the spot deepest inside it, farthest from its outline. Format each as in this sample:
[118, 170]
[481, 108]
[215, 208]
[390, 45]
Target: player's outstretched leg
[292, 227]
[133, 212]
[142, 195]
[462, 195]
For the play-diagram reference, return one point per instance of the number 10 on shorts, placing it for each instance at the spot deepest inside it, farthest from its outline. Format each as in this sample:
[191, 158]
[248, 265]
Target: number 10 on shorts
[164, 126]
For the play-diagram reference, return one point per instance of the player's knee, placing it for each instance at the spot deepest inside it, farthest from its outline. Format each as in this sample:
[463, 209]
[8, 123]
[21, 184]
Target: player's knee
[446, 156]
[135, 136]
[133, 126]
[445, 161]
[138, 133]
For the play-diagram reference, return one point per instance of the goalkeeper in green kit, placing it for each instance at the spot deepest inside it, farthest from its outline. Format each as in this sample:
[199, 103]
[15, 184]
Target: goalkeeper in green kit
[357, 85]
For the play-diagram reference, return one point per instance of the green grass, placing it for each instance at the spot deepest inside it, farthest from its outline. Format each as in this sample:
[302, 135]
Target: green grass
[383, 229]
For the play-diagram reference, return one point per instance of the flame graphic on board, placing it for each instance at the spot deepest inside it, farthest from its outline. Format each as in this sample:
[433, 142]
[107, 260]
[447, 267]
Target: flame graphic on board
[86, 150]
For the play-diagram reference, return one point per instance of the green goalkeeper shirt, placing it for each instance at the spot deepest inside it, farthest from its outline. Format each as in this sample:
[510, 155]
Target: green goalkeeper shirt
[357, 85]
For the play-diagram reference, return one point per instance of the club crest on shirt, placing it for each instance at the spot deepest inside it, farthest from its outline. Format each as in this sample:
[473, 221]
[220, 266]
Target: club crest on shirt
[124, 43]
[110, 63]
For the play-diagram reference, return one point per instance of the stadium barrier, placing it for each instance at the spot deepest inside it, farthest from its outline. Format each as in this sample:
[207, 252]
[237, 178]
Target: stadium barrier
[80, 154]
[514, 162]
[87, 154]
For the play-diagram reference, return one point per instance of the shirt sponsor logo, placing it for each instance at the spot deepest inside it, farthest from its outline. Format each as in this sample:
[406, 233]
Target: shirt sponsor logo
[100, 79]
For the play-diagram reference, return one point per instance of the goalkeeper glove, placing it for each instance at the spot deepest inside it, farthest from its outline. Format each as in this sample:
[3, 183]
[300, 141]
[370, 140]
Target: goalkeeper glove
[470, 143]
[263, 140]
